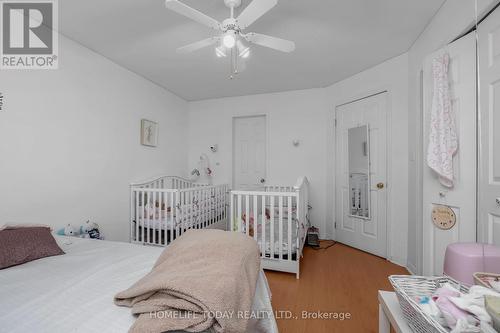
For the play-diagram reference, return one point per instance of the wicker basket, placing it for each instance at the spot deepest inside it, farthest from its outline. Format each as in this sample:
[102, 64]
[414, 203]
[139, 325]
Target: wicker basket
[478, 278]
[409, 287]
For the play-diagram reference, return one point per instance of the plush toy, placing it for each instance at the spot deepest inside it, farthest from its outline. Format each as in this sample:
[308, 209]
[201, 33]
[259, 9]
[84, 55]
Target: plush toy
[91, 230]
[69, 230]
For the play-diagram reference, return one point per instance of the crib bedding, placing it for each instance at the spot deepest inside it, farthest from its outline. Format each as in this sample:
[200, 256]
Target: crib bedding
[171, 222]
[74, 292]
[284, 244]
[267, 234]
[191, 215]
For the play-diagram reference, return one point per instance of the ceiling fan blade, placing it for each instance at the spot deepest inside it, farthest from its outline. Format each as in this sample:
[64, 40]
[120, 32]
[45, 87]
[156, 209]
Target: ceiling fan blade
[254, 11]
[276, 43]
[192, 13]
[198, 45]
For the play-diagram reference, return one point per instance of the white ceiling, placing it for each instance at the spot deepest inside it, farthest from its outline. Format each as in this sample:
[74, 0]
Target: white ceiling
[335, 39]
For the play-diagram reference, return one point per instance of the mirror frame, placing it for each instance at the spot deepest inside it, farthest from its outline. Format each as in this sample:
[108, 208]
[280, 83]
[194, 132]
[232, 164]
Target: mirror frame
[369, 217]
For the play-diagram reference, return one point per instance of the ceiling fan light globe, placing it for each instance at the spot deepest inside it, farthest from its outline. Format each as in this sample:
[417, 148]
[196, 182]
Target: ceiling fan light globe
[229, 40]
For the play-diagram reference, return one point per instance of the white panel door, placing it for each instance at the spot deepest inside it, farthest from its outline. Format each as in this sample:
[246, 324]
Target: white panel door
[489, 71]
[462, 197]
[249, 152]
[369, 235]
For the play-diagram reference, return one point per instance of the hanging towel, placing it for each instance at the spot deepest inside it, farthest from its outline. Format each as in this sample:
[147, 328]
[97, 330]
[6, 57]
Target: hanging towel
[443, 141]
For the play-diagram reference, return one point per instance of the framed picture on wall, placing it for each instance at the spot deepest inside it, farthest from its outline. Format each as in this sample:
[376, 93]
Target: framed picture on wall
[149, 133]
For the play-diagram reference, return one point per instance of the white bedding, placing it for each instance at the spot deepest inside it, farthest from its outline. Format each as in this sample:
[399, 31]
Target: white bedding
[160, 220]
[284, 243]
[74, 292]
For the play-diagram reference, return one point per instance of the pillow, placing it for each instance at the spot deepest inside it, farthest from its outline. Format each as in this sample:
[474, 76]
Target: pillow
[21, 245]
[16, 226]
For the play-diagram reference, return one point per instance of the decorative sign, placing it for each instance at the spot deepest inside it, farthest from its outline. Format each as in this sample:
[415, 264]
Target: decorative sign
[443, 217]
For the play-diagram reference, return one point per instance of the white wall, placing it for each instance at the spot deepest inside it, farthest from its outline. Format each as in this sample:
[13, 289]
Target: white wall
[392, 76]
[69, 141]
[454, 17]
[292, 115]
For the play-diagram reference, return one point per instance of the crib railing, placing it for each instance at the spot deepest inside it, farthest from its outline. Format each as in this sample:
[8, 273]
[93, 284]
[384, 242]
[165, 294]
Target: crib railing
[277, 212]
[167, 182]
[201, 207]
[252, 208]
[148, 220]
[165, 207]
[277, 188]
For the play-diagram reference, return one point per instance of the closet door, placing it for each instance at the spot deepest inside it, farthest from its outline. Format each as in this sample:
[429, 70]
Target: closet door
[249, 152]
[489, 162]
[462, 197]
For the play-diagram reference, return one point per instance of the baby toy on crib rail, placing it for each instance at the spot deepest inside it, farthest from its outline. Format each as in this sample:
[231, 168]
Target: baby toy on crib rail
[202, 173]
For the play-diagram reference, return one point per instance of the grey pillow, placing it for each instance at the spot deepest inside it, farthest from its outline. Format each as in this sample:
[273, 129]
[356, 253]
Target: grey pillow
[21, 245]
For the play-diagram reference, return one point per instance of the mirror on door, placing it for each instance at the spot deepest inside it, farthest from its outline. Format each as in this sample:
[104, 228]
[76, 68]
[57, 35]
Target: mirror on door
[359, 171]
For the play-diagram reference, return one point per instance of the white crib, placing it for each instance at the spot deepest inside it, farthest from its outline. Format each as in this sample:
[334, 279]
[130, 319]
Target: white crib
[277, 218]
[163, 208]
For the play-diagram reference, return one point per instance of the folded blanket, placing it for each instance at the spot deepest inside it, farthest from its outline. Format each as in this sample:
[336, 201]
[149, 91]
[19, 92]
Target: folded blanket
[203, 280]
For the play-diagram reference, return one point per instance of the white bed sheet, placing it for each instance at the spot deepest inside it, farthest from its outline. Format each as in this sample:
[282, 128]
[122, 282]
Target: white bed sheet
[74, 292]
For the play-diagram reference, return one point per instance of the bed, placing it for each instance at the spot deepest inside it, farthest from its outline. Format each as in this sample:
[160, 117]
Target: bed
[74, 292]
[162, 208]
[277, 218]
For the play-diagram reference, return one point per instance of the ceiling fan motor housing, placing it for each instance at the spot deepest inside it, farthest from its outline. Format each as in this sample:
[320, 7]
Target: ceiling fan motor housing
[232, 3]
[230, 24]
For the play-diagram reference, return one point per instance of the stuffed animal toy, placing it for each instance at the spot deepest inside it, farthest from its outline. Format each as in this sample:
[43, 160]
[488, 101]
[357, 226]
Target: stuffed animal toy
[69, 230]
[91, 230]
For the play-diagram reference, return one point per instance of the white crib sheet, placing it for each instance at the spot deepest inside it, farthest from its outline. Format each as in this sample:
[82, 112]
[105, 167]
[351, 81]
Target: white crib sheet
[74, 292]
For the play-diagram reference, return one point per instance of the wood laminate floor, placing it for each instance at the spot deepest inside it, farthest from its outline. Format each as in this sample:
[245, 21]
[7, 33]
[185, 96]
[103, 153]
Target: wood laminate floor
[333, 281]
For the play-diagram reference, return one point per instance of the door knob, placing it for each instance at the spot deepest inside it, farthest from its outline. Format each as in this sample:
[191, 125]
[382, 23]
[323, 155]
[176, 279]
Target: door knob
[380, 186]
[262, 180]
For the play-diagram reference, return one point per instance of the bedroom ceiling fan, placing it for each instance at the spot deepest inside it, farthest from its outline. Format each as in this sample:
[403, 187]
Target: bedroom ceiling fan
[230, 39]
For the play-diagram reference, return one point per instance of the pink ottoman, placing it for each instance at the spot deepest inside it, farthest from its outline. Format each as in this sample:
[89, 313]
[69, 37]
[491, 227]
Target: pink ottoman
[462, 260]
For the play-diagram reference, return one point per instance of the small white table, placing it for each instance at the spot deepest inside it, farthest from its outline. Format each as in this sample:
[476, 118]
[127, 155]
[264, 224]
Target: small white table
[390, 314]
